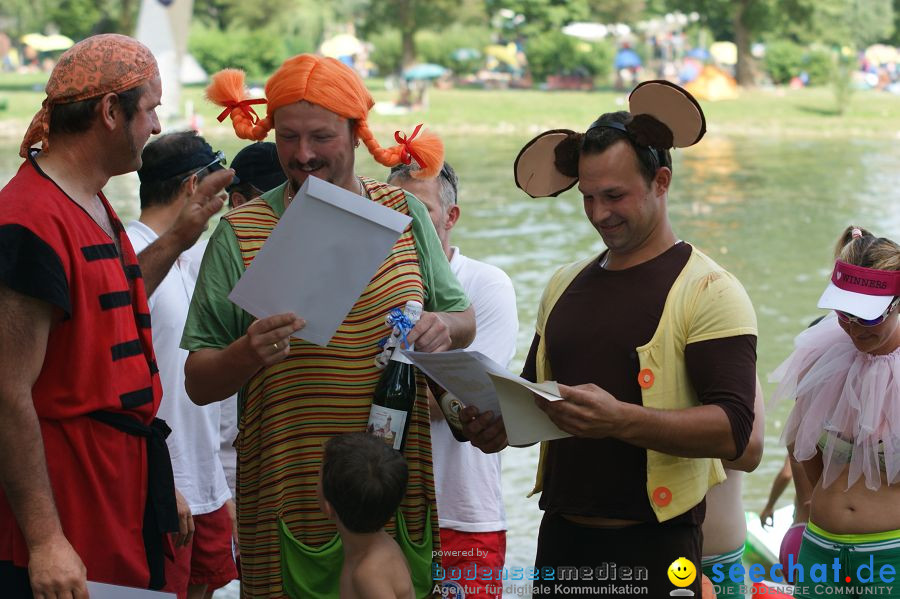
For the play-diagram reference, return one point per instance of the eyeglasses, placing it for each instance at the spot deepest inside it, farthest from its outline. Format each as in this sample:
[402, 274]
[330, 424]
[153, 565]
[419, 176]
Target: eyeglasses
[219, 157]
[864, 322]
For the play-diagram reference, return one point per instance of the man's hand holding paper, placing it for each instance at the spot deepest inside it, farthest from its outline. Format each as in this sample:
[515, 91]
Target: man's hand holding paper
[586, 411]
[479, 382]
[269, 339]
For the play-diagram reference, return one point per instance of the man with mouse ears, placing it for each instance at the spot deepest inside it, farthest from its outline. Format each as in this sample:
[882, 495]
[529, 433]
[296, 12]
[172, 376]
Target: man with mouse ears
[294, 395]
[654, 347]
[87, 490]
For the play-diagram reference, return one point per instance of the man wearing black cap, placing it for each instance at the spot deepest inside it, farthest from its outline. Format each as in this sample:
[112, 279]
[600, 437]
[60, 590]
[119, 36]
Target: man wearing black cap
[654, 345]
[257, 171]
[172, 167]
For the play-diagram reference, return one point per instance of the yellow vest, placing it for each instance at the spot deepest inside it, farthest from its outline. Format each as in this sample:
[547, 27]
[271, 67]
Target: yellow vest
[705, 302]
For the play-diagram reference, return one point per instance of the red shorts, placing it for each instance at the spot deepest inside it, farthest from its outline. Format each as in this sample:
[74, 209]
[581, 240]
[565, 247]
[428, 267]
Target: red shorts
[207, 560]
[472, 563]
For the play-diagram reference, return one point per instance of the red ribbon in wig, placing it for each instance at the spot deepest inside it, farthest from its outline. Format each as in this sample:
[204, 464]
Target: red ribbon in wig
[245, 106]
[409, 154]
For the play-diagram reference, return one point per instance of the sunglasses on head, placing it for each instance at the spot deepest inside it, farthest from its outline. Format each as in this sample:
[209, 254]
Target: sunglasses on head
[219, 157]
[874, 322]
[446, 175]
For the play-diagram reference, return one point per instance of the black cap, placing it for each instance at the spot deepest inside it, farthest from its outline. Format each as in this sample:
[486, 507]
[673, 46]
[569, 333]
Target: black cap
[180, 162]
[257, 164]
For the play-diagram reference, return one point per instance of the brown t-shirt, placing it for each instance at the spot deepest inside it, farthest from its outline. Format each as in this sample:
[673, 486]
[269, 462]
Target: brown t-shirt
[593, 333]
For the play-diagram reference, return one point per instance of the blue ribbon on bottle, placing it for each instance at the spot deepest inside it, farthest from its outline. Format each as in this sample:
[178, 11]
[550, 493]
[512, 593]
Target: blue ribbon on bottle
[397, 319]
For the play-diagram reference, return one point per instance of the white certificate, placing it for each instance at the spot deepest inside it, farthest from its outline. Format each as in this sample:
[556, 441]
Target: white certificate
[319, 258]
[477, 380]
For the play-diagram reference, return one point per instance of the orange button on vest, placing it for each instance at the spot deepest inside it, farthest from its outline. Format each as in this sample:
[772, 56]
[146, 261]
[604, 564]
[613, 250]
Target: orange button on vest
[662, 496]
[645, 378]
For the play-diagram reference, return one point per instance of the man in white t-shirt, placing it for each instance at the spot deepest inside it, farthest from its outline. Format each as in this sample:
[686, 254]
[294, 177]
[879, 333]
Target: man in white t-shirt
[467, 481]
[172, 167]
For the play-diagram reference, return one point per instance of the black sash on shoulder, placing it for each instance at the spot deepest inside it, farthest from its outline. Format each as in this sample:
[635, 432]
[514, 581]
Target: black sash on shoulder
[160, 511]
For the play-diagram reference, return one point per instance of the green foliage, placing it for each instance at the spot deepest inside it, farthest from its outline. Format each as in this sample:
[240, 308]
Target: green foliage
[783, 60]
[819, 65]
[554, 53]
[407, 15]
[75, 18]
[258, 52]
[440, 47]
[842, 81]
[387, 53]
[78, 18]
[536, 16]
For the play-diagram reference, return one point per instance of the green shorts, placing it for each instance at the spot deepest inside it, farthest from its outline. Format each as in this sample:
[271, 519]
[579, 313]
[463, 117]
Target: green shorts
[725, 589]
[861, 558]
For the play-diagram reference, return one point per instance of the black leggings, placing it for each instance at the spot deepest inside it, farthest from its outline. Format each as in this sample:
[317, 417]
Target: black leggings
[603, 552]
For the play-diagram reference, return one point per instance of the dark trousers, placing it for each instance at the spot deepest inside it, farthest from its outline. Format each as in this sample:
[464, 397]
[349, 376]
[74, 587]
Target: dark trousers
[14, 582]
[597, 558]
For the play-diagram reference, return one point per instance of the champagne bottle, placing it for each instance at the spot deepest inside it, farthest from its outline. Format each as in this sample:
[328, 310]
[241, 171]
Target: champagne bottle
[395, 393]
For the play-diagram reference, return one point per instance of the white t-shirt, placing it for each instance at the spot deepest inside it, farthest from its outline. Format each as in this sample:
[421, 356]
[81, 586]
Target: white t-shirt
[467, 481]
[194, 441]
[228, 431]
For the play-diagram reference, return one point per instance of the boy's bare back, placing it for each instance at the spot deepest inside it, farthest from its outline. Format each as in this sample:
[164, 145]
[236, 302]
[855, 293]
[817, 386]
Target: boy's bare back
[380, 573]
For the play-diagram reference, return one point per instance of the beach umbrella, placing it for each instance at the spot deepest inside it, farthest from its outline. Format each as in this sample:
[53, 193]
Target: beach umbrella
[589, 32]
[880, 54]
[424, 70]
[724, 52]
[47, 43]
[342, 44]
[626, 58]
[701, 54]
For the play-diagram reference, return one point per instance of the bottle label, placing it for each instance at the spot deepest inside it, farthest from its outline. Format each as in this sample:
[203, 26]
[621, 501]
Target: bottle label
[387, 424]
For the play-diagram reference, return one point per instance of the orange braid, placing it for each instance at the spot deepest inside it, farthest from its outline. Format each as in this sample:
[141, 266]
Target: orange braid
[427, 146]
[227, 90]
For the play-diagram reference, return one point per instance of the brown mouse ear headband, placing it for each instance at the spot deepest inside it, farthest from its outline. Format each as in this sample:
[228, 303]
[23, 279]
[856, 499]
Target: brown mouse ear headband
[664, 116]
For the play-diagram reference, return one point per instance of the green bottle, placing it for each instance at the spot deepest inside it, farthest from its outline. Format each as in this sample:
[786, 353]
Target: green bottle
[395, 393]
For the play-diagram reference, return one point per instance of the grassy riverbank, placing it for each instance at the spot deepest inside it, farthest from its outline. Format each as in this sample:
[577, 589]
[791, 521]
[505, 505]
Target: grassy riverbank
[764, 112]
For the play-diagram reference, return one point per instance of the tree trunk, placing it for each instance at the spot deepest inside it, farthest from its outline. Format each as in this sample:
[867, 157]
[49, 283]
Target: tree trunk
[745, 70]
[408, 56]
[126, 22]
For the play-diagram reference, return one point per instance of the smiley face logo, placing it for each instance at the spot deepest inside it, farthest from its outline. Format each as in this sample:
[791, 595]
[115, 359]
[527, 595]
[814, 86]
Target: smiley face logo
[682, 572]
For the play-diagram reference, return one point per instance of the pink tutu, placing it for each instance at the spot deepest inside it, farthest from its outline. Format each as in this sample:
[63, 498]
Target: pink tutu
[847, 404]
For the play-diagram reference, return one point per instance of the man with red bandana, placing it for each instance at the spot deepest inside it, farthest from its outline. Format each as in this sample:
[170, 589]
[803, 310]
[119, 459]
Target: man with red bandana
[86, 479]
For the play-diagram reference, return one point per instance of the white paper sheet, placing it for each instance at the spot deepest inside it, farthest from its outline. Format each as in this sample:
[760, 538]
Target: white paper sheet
[319, 258]
[99, 590]
[477, 380]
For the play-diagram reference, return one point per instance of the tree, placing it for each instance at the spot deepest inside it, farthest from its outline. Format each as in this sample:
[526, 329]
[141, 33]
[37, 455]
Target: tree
[409, 16]
[259, 14]
[617, 11]
[77, 19]
[853, 23]
[537, 16]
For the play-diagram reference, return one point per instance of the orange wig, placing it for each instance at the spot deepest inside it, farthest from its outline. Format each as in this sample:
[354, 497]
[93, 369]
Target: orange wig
[332, 85]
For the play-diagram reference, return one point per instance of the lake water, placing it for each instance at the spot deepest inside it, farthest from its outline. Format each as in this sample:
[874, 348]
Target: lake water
[769, 210]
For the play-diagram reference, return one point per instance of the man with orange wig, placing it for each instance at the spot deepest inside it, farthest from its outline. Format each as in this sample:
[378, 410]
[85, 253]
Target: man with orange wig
[84, 458]
[294, 395]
